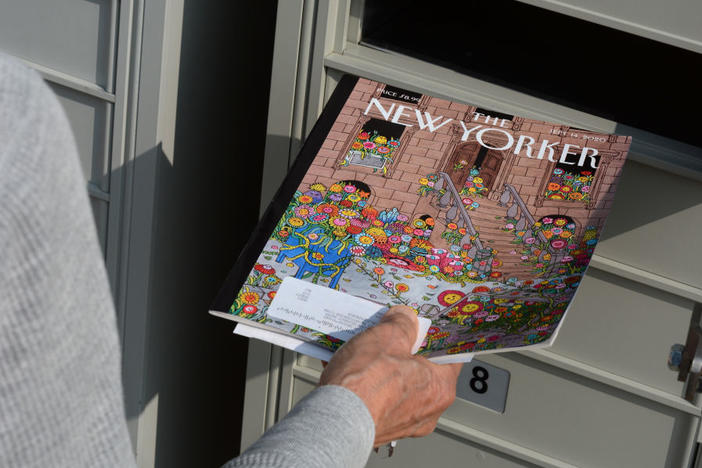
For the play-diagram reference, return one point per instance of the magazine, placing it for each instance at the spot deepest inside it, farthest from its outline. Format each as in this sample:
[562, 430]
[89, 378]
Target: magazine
[481, 221]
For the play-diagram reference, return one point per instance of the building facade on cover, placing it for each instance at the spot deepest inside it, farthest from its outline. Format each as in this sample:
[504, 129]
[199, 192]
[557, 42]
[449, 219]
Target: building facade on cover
[430, 172]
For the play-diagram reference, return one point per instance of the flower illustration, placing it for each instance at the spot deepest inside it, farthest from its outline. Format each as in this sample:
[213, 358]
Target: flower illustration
[315, 195]
[357, 250]
[304, 211]
[450, 296]
[295, 221]
[327, 208]
[319, 218]
[338, 222]
[249, 297]
[557, 244]
[265, 269]
[349, 213]
[364, 239]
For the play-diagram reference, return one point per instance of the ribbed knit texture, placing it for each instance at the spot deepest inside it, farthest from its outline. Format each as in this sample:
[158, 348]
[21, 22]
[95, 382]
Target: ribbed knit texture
[330, 427]
[61, 401]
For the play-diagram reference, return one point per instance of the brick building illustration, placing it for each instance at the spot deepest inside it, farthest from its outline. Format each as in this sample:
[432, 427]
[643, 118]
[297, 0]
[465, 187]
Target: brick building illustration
[513, 182]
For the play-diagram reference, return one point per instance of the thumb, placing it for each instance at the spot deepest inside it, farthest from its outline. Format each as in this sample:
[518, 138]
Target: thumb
[401, 322]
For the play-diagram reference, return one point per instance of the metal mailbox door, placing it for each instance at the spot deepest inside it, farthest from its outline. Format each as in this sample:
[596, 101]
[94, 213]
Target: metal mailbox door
[603, 395]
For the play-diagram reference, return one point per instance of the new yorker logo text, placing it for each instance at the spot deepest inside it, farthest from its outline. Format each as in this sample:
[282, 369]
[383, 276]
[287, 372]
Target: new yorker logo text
[478, 129]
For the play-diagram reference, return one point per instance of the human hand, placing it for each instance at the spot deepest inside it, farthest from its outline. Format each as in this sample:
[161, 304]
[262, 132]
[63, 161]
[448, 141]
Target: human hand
[405, 394]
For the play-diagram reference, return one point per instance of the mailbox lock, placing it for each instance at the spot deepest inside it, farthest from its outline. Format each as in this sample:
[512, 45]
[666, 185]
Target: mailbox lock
[686, 359]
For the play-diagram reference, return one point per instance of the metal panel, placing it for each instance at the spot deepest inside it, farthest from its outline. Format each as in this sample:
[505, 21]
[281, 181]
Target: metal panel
[556, 418]
[71, 36]
[440, 447]
[655, 224]
[282, 102]
[90, 120]
[676, 22]
[578, 420]
[653, 150]
[602, 396]
[624, 328]
[100, 213]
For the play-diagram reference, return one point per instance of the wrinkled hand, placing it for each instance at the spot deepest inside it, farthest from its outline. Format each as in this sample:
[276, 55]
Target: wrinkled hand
[405, 394]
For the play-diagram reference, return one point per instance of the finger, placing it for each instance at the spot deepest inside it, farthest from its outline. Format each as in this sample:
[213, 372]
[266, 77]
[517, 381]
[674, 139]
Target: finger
[452, 370]
[403, 323]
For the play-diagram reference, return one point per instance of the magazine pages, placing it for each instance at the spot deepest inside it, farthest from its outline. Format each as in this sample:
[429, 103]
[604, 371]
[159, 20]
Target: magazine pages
[481, 221]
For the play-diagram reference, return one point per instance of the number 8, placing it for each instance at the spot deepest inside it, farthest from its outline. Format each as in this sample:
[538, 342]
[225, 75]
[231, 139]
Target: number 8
[479, 381]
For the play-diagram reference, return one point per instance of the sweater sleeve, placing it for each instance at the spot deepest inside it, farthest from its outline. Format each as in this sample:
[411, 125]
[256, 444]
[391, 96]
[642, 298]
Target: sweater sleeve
[331, 426]
[61, 398]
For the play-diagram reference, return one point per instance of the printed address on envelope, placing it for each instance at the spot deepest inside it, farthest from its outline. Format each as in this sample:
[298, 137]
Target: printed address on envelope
[323, 309]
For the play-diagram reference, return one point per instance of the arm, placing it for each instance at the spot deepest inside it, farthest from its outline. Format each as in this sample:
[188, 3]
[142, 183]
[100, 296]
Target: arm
[373, 391]
[60, 389]
[329, 427]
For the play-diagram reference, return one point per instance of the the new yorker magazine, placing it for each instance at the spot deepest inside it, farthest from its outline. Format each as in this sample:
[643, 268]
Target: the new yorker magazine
[481, 221]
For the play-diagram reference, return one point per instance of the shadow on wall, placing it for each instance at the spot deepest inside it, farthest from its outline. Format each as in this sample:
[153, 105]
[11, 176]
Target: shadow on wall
[206, 205]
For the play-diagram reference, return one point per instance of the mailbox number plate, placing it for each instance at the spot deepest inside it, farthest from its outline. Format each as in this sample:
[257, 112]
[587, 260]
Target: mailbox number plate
[484, 385]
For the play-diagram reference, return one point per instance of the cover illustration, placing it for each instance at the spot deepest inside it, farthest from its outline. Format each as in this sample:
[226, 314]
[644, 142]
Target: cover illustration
[481, 221]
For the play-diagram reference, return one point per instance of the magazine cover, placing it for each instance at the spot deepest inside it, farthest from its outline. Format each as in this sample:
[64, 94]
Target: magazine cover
[481, 221]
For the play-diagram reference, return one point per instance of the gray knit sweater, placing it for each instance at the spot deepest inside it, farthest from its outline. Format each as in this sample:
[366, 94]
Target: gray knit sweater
[60, 391]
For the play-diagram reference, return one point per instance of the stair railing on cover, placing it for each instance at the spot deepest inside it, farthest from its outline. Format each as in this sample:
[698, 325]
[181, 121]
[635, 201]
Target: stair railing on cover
[524, 221]
[451, 201]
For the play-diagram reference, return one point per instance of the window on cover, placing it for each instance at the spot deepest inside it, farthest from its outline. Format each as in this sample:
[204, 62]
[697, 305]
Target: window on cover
[571, 182]
[375, 145]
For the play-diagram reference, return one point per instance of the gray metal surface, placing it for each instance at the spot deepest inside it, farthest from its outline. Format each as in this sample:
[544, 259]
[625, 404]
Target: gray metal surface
[675, 22]
[70, 36]
[603, 395]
